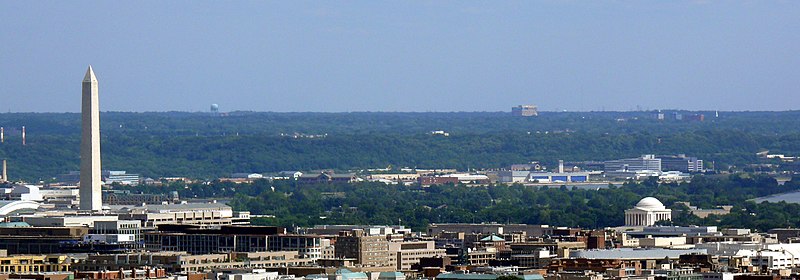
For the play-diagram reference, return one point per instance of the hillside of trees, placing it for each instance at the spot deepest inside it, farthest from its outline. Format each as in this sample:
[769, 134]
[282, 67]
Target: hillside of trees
[201, 145]
[377, 203]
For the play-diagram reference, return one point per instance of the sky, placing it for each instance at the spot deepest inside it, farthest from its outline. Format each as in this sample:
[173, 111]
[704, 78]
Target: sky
[419, 56]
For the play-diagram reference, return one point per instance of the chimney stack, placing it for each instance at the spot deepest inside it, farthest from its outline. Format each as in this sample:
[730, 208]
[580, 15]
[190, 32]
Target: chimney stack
[5, 174]
[2, 135]
[560, 166]
[23, 135]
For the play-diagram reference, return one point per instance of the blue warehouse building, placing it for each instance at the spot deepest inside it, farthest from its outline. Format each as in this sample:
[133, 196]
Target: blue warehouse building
[552, 177]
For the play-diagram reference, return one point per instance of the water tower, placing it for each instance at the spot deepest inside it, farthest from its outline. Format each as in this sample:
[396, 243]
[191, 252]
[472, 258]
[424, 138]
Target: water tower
[214, 108]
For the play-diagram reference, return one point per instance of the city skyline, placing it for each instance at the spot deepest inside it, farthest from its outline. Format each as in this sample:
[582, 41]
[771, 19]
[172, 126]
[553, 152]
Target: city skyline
[266, 140]
[406, 57]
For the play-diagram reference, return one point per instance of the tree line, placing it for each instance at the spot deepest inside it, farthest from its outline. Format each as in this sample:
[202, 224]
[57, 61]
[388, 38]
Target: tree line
[209, 146]
[376, 203]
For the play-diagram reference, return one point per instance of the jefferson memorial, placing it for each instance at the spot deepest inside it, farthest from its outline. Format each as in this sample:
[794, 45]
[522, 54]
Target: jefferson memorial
[647, 212]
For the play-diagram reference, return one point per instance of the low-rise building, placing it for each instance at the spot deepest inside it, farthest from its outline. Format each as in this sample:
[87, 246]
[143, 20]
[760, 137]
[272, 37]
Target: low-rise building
[513, 176]
[435, 229]
[228, 239]
[120, 177]
[595, 264]
[409, 253]
[437, 180]
[675, 274]
[243, 274]
[555, 177]
[366, 229]
[681, 163]
[397, 177]
[138, 273]
[318, 178]
[182, 262]
[21, 264]
[203, 214]
[57, 219]
[485, 276]
[662, 242]
[116, 197]
[39, 240]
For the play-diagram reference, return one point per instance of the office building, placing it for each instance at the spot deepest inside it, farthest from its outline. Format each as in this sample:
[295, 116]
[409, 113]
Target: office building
[372, 251]
[227, 239]
[681, 163]
[121, 177]
[39, 240]
[203, 214]
[409, 253]
[643, 163]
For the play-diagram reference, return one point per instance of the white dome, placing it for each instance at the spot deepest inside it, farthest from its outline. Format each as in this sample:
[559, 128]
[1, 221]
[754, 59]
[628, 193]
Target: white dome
[650, 203]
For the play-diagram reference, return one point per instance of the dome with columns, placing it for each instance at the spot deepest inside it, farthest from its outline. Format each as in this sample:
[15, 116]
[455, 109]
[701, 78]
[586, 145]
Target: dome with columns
[647, 212]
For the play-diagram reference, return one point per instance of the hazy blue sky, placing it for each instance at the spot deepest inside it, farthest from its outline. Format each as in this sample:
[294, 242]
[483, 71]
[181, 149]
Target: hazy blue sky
[401, 55]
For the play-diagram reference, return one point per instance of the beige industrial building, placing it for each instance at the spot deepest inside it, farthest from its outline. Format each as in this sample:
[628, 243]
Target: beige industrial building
[410, 252]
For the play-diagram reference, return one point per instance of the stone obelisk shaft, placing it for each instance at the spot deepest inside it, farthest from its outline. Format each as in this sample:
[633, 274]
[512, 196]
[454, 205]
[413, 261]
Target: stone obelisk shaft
[90, 185]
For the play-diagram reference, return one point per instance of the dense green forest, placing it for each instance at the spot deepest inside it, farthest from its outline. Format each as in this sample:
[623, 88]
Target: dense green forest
[203, 145]
[376, 203]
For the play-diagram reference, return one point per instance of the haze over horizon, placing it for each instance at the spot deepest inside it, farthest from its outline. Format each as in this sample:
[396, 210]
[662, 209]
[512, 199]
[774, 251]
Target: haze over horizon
[420, 56]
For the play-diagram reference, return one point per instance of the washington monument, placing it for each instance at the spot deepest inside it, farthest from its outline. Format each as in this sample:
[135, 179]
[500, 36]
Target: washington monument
[90, 185]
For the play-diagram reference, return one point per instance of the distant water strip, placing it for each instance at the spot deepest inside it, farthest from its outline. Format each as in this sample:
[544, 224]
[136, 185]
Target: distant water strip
[790, 197]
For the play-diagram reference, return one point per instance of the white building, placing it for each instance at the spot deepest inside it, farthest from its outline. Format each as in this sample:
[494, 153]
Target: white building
[774, 256]
[253, 274]
[673, 176]
[643, 163]
[121, 177]
[59, 219]
[513, 176]
[16, 207]
[662, 242]
[467, 178]
[26, 193]
[202, 214]
[61, 196]
[647, 212]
